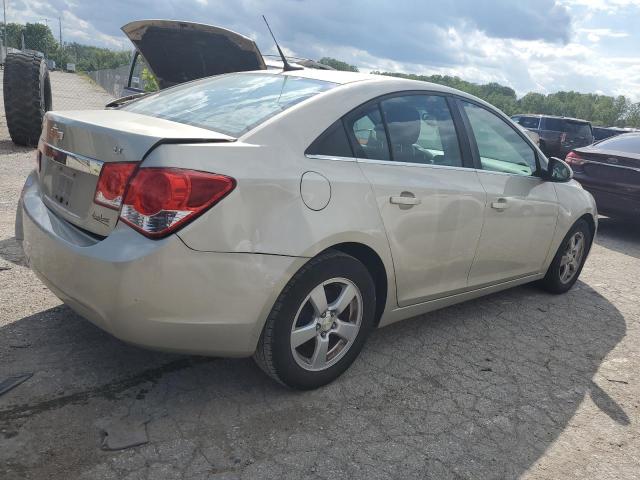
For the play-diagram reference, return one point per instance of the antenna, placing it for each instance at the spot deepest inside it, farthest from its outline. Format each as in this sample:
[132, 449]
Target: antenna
[287, 67]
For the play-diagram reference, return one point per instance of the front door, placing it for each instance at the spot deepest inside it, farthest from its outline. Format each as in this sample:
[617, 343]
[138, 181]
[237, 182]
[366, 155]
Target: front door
[431, 205]
[521, 210]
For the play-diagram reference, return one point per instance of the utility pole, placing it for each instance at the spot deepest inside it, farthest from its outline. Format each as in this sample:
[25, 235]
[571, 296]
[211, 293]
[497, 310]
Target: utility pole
[4, 8]
[60, 25]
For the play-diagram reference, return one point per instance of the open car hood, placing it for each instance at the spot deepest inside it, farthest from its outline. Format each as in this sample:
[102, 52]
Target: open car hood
[178, 52]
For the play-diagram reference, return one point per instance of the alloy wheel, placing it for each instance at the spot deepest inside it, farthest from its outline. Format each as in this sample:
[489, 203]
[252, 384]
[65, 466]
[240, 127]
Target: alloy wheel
[326, 324]
[572, 257]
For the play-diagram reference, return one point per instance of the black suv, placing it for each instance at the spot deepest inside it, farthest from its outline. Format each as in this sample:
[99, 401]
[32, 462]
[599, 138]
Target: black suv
[558, 135]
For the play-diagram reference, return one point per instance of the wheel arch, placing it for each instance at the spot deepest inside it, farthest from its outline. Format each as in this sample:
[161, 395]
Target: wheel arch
[588, 217]
[374, 264]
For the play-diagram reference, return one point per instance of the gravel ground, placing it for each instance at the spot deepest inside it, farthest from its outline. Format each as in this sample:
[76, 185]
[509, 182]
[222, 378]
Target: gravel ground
[520, 384]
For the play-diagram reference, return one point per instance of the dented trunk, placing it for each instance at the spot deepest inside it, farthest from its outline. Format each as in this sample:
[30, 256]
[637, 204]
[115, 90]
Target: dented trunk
[75, 146]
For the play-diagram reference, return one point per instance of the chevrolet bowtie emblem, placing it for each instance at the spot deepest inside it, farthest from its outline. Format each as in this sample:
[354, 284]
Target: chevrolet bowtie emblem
[56, 133]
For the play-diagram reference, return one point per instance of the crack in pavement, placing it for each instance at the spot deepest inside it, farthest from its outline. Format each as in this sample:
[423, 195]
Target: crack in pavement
[108, 391]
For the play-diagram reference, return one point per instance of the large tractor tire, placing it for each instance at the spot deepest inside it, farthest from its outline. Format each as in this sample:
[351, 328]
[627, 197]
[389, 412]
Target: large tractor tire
[27, 96]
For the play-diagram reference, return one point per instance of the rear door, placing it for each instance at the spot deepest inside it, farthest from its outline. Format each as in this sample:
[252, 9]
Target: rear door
[430, 202]
[521, 209]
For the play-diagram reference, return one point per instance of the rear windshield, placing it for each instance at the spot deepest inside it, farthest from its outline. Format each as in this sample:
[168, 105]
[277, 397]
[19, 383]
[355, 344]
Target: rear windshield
[578, 129]
[622, 143]
[231, 104]
[529, 122]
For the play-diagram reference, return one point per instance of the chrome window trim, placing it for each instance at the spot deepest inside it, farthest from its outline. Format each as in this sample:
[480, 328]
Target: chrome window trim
[77, 162]
[410, 164]
[493, 172]
[330, 157]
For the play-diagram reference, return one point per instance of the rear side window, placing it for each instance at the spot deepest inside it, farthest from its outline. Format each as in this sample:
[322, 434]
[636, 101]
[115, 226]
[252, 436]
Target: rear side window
[529, 122]
[622, 143]
[421, 130]
[501, 149]
[231, 104]
[333, 142]
[366, 130]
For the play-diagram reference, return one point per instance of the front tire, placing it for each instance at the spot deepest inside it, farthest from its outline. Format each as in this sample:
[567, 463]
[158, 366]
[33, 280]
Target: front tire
[319, 323]
[569, 259]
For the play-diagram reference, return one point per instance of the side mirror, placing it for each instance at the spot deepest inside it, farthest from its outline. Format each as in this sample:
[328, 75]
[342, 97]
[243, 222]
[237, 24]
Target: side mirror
[558, 170]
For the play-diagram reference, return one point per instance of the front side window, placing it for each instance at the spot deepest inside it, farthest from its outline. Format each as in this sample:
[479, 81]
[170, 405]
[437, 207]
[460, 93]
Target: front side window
[501, 149]
[367, 133]
[231, 104]
[421, 130]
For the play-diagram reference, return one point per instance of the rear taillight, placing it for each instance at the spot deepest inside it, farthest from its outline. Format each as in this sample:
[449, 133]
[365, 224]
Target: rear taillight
[574, 159]
[112, 184]
[159, 201]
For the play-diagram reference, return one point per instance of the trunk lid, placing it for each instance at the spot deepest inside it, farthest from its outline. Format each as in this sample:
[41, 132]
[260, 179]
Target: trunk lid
[612, 170]
[178, 52]
[76, 144]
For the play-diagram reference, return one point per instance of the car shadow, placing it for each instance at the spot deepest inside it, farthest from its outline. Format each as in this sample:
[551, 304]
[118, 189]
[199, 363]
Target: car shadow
[477, 390]
[619, 234]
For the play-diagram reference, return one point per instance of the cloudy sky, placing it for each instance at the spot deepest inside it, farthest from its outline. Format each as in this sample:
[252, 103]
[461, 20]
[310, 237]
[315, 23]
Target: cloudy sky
[539, 45]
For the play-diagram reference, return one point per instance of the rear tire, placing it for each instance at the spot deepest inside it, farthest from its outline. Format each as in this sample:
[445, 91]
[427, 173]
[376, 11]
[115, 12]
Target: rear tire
[341, 327]
[569, 259]
[27, 96]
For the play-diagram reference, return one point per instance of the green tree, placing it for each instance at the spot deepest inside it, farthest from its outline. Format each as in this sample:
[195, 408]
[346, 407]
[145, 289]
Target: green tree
[14, 34]
[338, 64]
[39, 37]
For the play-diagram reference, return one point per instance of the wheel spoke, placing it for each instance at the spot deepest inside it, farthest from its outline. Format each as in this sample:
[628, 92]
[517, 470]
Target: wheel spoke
[346, 330]
[303, 334]
[318, 300]
[319, 357]
[564, 260]
[347, 295]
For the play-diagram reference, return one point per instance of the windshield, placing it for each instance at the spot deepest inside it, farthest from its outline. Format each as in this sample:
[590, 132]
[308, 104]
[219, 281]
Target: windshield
[231, 104]
[622, 143]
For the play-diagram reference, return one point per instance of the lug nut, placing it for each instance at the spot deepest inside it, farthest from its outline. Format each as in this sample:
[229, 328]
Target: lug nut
[323, 334]
[317, 326]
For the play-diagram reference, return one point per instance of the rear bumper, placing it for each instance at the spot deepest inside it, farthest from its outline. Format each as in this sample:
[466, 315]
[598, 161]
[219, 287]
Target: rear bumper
[610, 203]
[158, 294]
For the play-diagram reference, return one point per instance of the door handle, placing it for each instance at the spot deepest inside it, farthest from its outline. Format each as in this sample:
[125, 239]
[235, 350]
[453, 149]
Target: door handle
[404, 200]
[500, 204]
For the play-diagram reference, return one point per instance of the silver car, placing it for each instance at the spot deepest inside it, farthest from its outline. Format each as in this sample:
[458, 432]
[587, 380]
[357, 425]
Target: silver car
[285, 215]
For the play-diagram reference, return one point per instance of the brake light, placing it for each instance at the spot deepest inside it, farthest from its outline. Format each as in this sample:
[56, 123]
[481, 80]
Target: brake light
[159, 201]
[574, 159]
[112, 183]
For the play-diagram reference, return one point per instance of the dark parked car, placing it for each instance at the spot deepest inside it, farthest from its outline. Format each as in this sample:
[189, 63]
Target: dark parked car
[610, 171]
[558, 135]
[600, 133]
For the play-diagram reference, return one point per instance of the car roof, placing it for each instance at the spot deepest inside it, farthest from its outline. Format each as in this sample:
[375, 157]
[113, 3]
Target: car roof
[392, 83]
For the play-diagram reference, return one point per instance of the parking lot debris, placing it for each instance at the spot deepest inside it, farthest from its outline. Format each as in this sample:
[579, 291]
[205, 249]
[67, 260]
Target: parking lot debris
[13, 381]
[123, 433]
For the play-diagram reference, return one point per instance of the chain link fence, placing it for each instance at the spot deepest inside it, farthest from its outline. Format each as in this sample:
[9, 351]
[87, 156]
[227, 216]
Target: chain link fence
[75, 85]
